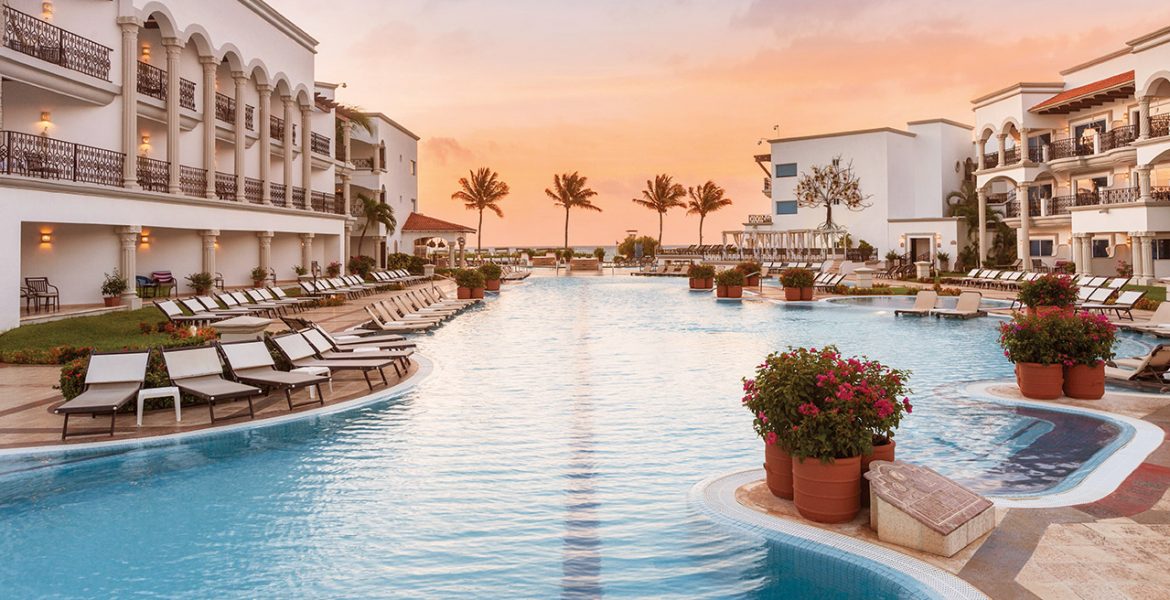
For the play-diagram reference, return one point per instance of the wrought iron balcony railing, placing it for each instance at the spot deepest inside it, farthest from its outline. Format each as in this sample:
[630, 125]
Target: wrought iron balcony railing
[253, 190]
[1160, 125]
[47, 158]
[363, 163]
[152, 81]
[153, 175]
[225, 110]
[277, 191]
[225, 186]
[193, 181]
[1118, 137]
[276, 128]
[319, 144]
[29, 35]
[1070, 147]
[991, 160]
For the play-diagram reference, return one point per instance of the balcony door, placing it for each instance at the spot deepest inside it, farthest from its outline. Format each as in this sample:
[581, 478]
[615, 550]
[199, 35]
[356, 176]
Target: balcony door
[1079, 130]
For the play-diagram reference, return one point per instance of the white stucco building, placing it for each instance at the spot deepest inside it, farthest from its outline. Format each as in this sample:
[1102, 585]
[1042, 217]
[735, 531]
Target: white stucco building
[906, 174]
[384, 167]
[1091, 154]
[175, 136]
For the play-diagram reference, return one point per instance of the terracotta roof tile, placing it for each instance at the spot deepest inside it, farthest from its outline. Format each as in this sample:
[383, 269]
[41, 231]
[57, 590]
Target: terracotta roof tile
[1089, 89]
[421, 222]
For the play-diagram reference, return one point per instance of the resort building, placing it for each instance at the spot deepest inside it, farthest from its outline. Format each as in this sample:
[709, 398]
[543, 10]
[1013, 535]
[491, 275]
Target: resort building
[906, 175]
[383, 166]
[1090, 154]
[180, 137]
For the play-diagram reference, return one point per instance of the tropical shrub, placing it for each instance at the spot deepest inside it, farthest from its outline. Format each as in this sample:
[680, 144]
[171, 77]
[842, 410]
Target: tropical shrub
[1041, 339]
[259, 274]
[730, 278]
[701, 271]
[797, 278]
[1091, 341]
[361, 265]
[469, 278]
[114, 284]
[333, 269]
[1048, 290]
[398, 260]
[599, 253]
[491, 271]
[750, 267]
[649, 245]
[300, 270]
[892, 256]
[1124, 269]
[865, 249]
[201, 282]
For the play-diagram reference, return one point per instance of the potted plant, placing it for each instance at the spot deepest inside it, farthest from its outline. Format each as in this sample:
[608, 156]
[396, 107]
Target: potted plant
[333, 269]
[798, 284]
[300, 271]
[865, 250]
[882, 397]
[1047, 293]
[1036, 344]
[702, 277]
[113, 286]
[730, 284]
[1089, 346]
[259, 274]
[470, 282]
[491, 275]
[200, 282]
[892, 258]
[944, 261]
[751, 271]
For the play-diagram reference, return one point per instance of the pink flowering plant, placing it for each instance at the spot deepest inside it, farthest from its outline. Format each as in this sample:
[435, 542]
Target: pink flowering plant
[817, 403]
[1058, 338]
[1053, 289]
[1091, 340]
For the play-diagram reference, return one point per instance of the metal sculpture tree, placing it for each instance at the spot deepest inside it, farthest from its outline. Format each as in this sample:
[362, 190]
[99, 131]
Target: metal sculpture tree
[828, 186]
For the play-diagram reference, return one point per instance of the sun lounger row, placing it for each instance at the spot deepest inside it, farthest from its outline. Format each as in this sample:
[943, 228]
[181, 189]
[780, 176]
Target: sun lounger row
[827, 280]
[927, 303]
[791, 265]
[225, 372]
[415, 311]
[202, 310]
[1151, 367]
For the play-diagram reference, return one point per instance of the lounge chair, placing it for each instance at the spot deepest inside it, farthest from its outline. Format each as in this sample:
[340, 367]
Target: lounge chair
[300, 353]
[111, 380]
[198, 372]
[1152, 366]
[279, 295]
[1159, 321]
[1096, 297]
[380, 340]
[326, 349]
[966, 308]
[251, 363]
[391, 313]
[409, 306]
[1124, 303]
[924, 302]
[176, 315]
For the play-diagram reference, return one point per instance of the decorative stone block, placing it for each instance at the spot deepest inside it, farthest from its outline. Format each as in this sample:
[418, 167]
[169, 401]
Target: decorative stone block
[915, 507]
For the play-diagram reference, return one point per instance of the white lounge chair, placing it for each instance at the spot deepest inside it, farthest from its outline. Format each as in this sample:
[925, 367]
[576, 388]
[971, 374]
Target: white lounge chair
[966, 308]
[924, 302]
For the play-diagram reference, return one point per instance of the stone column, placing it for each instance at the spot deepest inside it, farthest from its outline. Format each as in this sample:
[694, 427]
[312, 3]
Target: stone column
[129, 100]
[128, 263]
[1002, 141]
[1075, 251]
[345, 243]
[345, 193]
[1143, 118]
[346, 128]
[209, 238]
[1147, 258]
[173, 49]
[265, 238]
[1023, 147]
[1135, 250]
[288, 145]
[307, 151]
[1, 87]
[1087, 252]
[209, 65]
[241, 80]
[1024, 247]
[982, 223]
[306, 249]
[980, 150]
[265, 142]
[1144, 183]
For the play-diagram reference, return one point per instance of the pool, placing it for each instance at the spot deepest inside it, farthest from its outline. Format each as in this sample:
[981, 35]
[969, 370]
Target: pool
[549, 453]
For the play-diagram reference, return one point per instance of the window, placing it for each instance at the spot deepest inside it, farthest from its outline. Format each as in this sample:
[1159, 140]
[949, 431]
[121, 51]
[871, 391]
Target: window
[1040, 247]
[786, 207]
[1161, 249]
[786, 170]
[1040, 191]
[1100, 248]
[1079, 130]
[413, 167]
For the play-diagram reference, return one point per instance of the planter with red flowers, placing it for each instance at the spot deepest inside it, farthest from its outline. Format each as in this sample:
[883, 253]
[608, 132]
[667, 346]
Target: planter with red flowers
[702, 277]
[729, 284]
[1089, 346]
[751, 272]
[798, 284]
[1037, 345]
[1048, 293]
[822, 415]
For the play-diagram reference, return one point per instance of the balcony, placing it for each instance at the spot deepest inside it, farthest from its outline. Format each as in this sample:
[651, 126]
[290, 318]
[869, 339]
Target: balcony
[1118, 137]
[277, 192]
[991, 160]
[319, 144]
[326, 203]
[46, 158]
[276, 129]
[225, 186]
[29, 35]
[297, 198]
[193, 181]
[767, 187]
[153, 175]
[253, 190]
[1070, 147]
[152, 81]
[225, 110]
[1011, 156]
[363, 163]
[1160, 125]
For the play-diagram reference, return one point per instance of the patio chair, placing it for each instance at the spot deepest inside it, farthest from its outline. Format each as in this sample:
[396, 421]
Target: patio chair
[924, 302]
[147, 287]
[251, 363]
[967, 307]
[1124, 303]
[198, 372]
[409, 306]
[300, 353]
[43, 293]
[164, 281]
[111, 380]
[1152, 366]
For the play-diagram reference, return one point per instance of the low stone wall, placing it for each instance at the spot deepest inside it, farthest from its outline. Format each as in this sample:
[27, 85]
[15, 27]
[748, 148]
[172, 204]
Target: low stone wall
[585, 264]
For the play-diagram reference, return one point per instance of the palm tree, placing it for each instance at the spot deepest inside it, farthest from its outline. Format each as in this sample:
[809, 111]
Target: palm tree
[661, 195]
[375, 212]
[483, 190]
[570, 192]
[705, 199]
[964, 203]
[356, 117]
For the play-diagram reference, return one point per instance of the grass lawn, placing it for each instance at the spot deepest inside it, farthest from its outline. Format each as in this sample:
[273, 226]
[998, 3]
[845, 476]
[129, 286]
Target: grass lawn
[111, 331]
[1153, 292]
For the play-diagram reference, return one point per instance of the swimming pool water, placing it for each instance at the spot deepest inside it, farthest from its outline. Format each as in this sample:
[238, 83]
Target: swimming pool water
[550, 453]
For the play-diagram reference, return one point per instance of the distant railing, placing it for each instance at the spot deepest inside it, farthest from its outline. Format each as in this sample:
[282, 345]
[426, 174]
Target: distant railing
[152, 81]
[29, 35]
[193, 181]
[1114, 196]
[1160, 125]
[759, 220]
[249, 121]
[253, 190]
[297, 198]
[1011, 156]
[1070, 147]
[325, 202]
[225, 108]
[276, 127]
[991, 160]
[153, 174]
[47, 158]
[1057, 205]
[225, 186]
[1118, 137]
[319, 143]
[277, 191]
[363, 163]
[1160, 193]
[1036, 154]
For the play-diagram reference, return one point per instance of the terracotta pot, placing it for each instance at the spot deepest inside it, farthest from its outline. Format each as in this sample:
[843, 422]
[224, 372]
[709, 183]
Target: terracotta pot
[705, 283]
[827, 492]
[1040, 311]
[778, 465]
[463, 293]
[112, 300]
[806, 293]
[792, 294]
[477, 293]
[258, 283]
[1040, 382]
[492, 285]
[729, 291]
[1084, 382]
[753, 281]
[882, 452]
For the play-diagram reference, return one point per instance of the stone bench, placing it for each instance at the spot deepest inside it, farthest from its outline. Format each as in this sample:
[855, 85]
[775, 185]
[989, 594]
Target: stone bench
[915, 507]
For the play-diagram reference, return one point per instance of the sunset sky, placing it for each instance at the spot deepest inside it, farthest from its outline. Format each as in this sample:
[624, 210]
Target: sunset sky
[623, 89]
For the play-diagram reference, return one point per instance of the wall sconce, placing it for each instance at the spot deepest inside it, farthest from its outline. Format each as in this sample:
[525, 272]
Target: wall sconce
[46, 238]
[144, 239]
[45, 122]
[145, 147]
[146, 52]
[47, 10]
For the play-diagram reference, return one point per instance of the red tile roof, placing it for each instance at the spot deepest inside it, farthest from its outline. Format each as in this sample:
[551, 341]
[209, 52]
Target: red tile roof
[1086, 91]
[421, 222]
